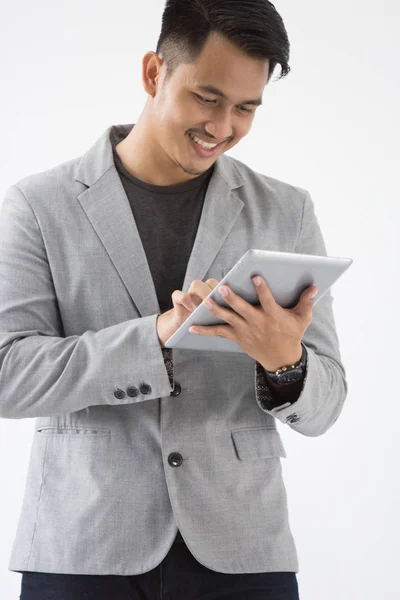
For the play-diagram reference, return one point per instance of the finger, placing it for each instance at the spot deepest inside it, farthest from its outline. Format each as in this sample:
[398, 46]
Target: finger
[265, 296]
[182, 303]
[239, 305]
[304, 307]
[201, 288]
[190, 300]
[225, 331]
[212, 283]
[226, 314]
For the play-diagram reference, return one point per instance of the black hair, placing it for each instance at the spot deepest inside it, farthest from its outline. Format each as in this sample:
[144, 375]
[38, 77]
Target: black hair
[254, 26]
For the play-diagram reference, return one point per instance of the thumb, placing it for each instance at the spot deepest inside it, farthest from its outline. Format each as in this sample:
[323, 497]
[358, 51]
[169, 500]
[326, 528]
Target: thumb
[306, 298]
[310, 293]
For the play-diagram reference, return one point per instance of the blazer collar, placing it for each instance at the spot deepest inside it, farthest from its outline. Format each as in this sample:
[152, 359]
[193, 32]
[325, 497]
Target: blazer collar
[107, 207]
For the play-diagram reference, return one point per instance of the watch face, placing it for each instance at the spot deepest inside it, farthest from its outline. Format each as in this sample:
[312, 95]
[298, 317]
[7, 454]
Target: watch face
[290, 377]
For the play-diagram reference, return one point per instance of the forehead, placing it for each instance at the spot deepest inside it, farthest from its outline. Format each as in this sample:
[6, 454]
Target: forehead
[225, 66]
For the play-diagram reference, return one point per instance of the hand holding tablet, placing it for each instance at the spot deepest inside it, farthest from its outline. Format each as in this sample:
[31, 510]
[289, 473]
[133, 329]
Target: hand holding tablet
[287, 275]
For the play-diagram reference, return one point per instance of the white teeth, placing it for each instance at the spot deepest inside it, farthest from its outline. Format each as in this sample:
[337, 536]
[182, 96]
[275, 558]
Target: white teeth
[201, 143]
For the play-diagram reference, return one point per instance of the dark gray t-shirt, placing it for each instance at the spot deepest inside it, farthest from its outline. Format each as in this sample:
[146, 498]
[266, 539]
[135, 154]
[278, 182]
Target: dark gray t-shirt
[167, 218]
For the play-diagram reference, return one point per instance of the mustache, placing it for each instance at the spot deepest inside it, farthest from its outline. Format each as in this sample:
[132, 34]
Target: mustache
[212, 139]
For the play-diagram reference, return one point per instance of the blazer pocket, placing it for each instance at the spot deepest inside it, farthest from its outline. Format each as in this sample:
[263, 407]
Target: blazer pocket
[257, 442]
[73, 431]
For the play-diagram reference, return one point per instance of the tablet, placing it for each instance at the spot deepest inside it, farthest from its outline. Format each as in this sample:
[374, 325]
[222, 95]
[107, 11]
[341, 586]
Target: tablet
[287, 275]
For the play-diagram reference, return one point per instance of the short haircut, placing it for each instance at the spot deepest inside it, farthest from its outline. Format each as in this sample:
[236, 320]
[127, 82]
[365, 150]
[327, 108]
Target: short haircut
[254, 26]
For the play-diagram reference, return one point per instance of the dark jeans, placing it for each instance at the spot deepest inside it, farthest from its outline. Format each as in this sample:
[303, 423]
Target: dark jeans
[179, 577]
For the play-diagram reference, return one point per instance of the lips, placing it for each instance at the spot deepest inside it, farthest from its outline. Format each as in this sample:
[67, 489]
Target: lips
[206, 139]
[200, 151]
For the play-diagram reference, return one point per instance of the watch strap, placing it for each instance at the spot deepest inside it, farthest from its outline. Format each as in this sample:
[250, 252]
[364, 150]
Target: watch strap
[280, 374]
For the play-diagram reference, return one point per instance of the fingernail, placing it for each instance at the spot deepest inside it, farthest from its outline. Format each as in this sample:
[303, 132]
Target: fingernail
[224, 291]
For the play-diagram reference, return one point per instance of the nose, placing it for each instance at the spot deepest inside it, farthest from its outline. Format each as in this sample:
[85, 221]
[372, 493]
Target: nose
[220, 127]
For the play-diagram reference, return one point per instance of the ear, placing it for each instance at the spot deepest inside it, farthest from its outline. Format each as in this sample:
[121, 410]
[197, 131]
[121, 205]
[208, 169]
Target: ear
[151, 70]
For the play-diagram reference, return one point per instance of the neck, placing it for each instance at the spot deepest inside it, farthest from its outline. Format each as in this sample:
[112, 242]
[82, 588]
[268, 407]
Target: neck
[143, 156]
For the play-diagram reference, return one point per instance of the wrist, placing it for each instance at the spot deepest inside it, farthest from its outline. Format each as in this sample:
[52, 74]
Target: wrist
[159, 331]
[277, 361]
[165, 326]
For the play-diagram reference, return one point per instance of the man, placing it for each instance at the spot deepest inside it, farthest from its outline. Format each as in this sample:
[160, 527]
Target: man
[101, 259]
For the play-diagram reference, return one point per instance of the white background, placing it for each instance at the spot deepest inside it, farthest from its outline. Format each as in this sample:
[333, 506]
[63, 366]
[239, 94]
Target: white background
[70, 70]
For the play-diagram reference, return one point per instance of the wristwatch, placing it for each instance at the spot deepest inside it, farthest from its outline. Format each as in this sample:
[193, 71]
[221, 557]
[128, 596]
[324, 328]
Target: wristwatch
[289, 373]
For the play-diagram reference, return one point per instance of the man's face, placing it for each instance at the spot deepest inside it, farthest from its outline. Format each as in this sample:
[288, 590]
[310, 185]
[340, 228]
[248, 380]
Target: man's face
[180, 108]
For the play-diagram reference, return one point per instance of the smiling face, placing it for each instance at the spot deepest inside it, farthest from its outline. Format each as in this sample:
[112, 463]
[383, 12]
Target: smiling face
[188, 102]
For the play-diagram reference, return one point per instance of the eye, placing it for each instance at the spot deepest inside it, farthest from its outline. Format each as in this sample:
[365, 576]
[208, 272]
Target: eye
[204, 99]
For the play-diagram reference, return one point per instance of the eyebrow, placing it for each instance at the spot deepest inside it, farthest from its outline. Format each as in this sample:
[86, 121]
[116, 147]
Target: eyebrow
[213, 90]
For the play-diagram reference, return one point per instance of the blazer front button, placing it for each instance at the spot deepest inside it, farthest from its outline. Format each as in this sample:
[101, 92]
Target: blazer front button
[132, 391]
[175, 459]
[177, 390]
[119, 394]
[145, 388]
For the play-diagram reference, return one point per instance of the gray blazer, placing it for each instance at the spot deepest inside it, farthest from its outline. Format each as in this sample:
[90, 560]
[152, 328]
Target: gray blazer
[111, 475]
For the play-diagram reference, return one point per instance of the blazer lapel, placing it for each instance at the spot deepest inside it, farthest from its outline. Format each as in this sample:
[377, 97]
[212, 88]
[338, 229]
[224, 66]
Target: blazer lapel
[107, 207]
[221, 208]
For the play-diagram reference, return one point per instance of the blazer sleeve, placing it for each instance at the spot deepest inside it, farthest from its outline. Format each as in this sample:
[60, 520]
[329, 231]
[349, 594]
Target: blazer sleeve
[324, 386]
[42, 372]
